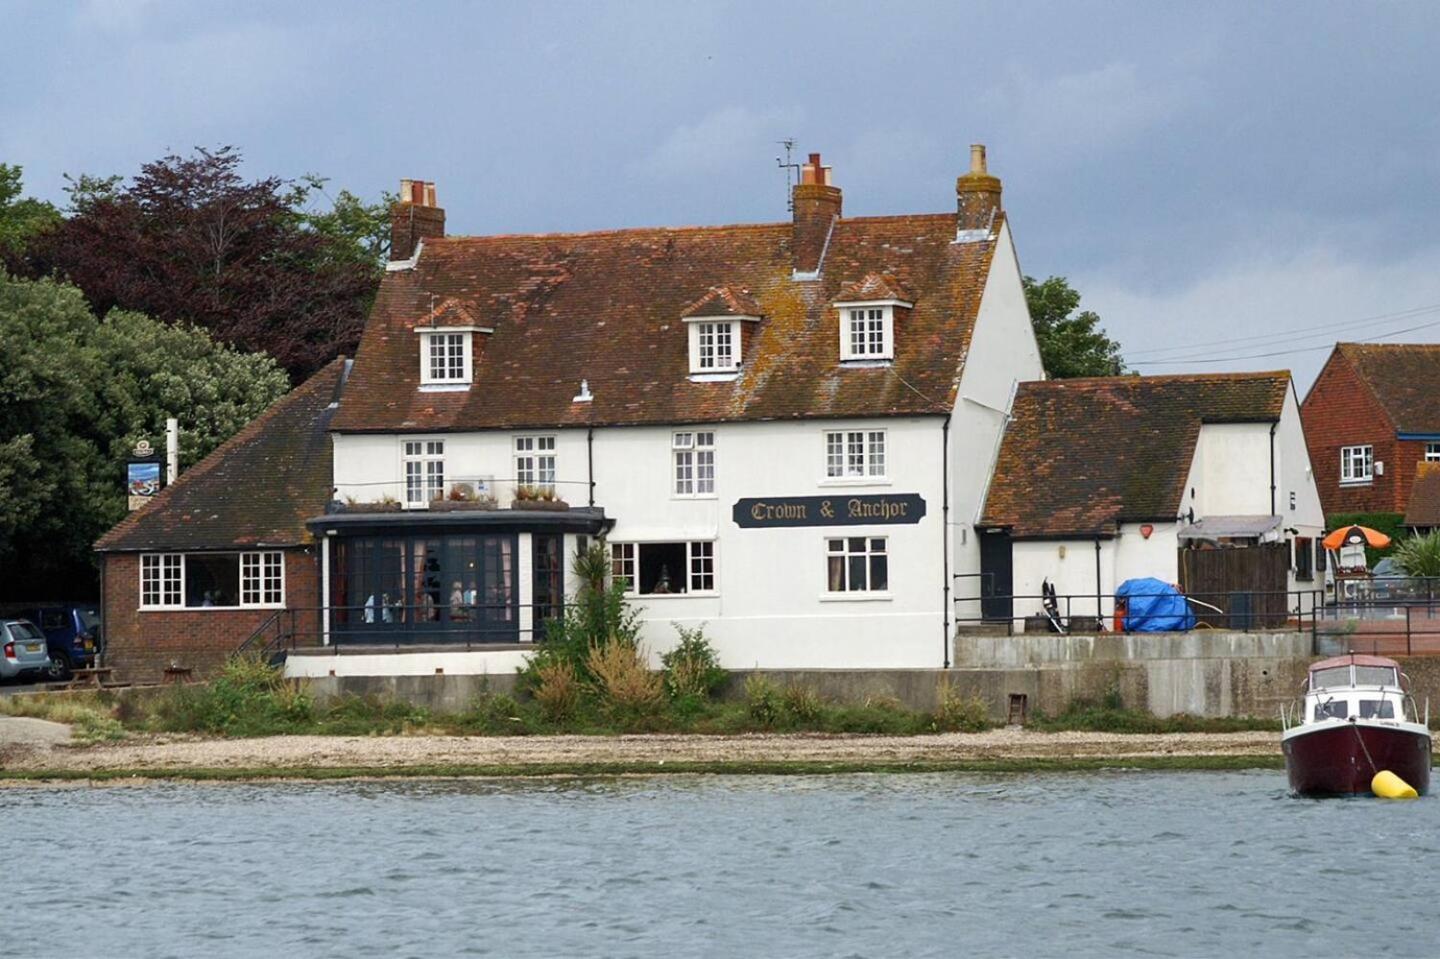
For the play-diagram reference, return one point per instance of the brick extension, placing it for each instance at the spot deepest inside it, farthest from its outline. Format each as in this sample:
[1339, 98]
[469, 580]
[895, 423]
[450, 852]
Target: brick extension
[143, 643]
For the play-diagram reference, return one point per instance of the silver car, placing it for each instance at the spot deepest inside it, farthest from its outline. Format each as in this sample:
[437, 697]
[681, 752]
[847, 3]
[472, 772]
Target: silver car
[22, 649]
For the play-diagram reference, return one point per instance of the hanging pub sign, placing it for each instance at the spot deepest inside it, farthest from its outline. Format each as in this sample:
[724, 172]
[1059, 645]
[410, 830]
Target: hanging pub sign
[142, 474]
[883, 510]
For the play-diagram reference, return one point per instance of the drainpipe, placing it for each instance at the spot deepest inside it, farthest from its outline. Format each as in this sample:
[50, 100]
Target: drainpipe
[590, 460]
[1099, 614]
[945, 539]
[100, 657]
[1272, 468]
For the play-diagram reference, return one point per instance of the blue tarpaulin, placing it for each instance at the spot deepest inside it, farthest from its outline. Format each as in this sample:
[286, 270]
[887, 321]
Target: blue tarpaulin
[1154, 607]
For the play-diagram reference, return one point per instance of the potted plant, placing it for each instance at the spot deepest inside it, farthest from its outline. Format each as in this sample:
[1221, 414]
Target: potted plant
[537, 497]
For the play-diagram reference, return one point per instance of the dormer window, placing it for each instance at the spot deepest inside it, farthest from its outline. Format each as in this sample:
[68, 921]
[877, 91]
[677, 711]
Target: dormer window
[714, 346]
[867, 317]
[869, 333]
[715, 328]
[445, 358]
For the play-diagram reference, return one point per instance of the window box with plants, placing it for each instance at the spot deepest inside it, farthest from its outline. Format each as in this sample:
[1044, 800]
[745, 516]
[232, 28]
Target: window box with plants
[463, 496]
[538, 497]
[385, 504]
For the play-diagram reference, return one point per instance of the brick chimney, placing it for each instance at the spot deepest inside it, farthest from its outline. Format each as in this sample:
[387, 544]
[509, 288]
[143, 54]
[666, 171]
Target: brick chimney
[414, 217]
[817, 207]
[977, 194]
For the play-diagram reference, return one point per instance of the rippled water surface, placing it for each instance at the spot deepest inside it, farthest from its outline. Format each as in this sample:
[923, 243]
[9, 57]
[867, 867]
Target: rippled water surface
[1171, 864]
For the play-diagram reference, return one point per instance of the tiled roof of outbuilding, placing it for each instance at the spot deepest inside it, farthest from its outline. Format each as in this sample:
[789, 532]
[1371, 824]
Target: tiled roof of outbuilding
[1424, 508]
[1082, 456]
[255, 489]
[608, 308]
[1404, 378]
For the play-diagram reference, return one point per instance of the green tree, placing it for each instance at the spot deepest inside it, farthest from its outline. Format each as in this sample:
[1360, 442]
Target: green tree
[1071, 344]
[75, 394]
[20, 218]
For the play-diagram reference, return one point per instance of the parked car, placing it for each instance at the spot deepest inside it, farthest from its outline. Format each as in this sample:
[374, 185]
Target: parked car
[72, 635]
[22, 649]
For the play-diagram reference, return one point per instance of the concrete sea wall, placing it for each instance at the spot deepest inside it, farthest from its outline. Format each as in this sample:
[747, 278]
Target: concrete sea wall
[1203, 673]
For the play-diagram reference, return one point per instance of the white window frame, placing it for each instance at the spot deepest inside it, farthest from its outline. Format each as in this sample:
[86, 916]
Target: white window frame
[1357, 464]
[856, 456]
[260, 585]
[448, 373]
[1432, 452]
[692, 462]
[535, 461]
[846, 552]
[708, 357]
[867, 313]
[428, 462]
[262, 579]
[701, 564]
[162, 576]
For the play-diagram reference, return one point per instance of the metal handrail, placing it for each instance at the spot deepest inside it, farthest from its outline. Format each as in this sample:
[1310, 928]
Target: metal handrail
[1299, 606]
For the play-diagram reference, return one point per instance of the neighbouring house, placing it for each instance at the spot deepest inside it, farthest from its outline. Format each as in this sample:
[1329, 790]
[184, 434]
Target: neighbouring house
[1422, 514]
[1104, 480]
[1371, 418]
[783, 431]
[224, 550]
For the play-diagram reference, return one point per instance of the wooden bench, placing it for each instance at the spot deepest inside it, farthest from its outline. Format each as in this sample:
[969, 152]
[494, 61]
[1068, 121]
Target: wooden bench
[94, 677]
[174, 675]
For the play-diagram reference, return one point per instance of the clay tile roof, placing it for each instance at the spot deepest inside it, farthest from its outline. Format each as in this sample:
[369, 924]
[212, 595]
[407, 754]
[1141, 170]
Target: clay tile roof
[450, 312]
[255, 489]
[874, 286]
[1403, 377]
[607, 307]
[723, 301]
[1081, 456]
[1424, 508]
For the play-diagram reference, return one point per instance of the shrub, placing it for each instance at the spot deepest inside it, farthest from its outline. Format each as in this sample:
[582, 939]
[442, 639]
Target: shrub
[802, 703]
[762, 700]
[248, 698]
[624, 679]
[1419, 555]
[692, 669]
[558, 690]
[599, 614]
[959, 714]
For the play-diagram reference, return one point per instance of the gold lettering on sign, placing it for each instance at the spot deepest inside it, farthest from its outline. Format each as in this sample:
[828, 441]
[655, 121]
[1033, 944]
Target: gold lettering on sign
[880, 509]
[778, 511]
[826, 510]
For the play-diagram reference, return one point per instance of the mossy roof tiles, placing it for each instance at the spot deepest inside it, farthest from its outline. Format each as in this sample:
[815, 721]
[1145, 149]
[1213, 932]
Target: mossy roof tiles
[608, 308]
[1081, 456]
[1405, 378]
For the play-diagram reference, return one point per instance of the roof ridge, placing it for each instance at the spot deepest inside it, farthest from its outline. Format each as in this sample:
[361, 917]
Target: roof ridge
[682, 228]
[1161, 377]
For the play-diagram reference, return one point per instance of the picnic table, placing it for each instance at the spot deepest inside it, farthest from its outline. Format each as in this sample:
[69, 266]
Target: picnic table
[93, 677]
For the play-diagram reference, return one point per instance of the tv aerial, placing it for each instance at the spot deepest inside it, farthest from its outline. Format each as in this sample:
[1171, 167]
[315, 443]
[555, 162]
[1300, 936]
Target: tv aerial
[788, 165]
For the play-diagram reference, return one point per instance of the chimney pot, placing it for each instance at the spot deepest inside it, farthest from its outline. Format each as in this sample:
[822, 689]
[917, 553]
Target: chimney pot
[414, 217]
[816, 206]
[977, 195]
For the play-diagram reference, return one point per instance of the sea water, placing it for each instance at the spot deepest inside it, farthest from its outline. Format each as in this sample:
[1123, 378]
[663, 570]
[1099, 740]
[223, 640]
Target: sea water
[1093, 864]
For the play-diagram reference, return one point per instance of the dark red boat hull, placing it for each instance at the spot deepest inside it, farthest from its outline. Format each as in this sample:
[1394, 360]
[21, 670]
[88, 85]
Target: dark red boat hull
[1331, 761]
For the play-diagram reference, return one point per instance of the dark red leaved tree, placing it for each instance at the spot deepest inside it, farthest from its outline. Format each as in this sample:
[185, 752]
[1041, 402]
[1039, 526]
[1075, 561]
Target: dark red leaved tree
[189, 240]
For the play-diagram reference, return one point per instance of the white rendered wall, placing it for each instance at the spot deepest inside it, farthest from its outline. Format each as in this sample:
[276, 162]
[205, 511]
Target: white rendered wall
[1005, 354]
[1234, 473]
[1297, 477]
[1070, 567]
[770, 607]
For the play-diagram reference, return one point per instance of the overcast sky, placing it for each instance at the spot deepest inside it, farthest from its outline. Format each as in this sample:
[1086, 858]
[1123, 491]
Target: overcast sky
[1209, 176]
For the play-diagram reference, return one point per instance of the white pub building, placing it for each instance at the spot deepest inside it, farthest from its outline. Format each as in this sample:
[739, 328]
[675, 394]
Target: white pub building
[783, 431]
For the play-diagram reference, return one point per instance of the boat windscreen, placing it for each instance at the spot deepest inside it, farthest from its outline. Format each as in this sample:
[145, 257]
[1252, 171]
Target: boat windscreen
[1330, 678]
[1374, 676]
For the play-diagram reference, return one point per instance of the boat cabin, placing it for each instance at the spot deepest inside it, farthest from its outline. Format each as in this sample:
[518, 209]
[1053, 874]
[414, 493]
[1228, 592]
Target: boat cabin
[1355, 685]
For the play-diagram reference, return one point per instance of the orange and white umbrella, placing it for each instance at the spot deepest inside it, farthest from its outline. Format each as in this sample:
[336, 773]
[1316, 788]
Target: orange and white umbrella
[1356, 536]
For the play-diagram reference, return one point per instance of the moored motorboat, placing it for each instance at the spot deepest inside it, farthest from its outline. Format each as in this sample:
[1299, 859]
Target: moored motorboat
[1358, 720]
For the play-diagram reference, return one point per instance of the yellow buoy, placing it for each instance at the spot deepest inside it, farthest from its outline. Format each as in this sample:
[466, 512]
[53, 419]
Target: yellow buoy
[1387, 785]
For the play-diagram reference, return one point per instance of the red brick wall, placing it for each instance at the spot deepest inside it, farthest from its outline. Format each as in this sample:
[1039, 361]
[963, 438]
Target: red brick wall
[140, 644]
[1341, 411]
